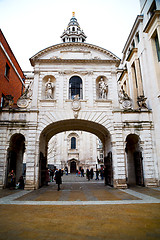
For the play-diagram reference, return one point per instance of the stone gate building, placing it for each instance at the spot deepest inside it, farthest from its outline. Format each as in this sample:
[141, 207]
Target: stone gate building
[75, 87]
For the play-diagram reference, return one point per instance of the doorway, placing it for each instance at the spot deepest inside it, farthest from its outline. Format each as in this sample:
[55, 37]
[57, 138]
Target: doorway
[134, 161]
[15, 156]
[73, 167]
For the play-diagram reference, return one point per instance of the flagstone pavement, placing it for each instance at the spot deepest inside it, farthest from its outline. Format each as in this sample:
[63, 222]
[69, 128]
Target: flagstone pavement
[81, 210]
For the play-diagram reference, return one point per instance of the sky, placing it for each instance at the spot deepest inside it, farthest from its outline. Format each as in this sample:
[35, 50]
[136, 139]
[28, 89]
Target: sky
[32, 25]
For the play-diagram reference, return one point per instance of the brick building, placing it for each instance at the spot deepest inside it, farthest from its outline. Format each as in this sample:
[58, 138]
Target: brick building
[11, 74]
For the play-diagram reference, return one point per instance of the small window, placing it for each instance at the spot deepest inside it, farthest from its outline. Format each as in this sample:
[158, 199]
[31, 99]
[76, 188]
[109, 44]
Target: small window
[157, 47]
[73, 29]
[73, 143]
[7, 70]
[73, 39]
[133, 44]
[137, 37]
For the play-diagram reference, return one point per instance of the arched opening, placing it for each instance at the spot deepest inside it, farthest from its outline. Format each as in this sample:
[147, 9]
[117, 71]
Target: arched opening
[73, 143]
[72, 130]
[15, 157]
[134, 161]
[75, 87]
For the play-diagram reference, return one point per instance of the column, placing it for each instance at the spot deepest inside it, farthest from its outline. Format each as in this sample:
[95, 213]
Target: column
[119, 165]
[35, 91]
[139, 78]
[31, 152]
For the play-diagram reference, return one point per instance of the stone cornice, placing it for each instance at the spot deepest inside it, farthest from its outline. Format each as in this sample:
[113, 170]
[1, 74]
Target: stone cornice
[132, 52]
[138, 20]
[151, 21]
[65, 45]
[58, 60]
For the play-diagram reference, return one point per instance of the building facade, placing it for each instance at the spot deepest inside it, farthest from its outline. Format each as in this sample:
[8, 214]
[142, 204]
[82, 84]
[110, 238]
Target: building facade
[140, 77]
[75, 150]
[11, 75]
[77, 86]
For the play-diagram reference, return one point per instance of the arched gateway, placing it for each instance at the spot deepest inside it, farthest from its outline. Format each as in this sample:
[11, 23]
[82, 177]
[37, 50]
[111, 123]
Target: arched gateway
[74, 87]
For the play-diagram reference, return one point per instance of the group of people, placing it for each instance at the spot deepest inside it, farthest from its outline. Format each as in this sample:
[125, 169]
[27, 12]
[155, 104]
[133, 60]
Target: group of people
[12, 181]
[54, 175]
[90, 173]
[80, 172]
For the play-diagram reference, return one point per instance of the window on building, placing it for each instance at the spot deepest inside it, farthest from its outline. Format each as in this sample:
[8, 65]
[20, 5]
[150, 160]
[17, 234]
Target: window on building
[73, 39]
[7, 70]
[73, 28]
[157, 47]
[152, 9]
[137, 37]
[135, 75]
[75, 87]
[2, 100]
[133, 44]
[73, 143]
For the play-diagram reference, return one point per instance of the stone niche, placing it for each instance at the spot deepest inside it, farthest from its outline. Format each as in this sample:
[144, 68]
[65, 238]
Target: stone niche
[48, 87]
[101, 88]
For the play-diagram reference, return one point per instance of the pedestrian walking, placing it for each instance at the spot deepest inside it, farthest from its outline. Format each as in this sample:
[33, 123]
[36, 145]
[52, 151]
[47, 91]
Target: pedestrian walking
[91, 173]
[88, 174]
[11, 179]
[97, 174]
[58, 175]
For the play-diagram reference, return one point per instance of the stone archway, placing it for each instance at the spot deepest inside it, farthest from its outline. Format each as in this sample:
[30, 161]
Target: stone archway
[134, 161]
[69, 125]
[15, 156]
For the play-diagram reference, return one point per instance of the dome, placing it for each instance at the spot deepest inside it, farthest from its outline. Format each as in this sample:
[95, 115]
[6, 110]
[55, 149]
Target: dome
[73, 33]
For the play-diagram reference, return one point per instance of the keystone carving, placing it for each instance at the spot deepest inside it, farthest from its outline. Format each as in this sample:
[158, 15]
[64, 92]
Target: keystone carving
[76, 105]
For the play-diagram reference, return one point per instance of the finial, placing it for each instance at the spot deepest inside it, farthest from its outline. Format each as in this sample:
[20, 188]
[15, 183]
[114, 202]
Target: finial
[73, 13]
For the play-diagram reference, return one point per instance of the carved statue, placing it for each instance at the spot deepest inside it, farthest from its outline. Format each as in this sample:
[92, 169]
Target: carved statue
[49, 86]
[124, 100]
[141, 101]
[28, 92]
[103, 89]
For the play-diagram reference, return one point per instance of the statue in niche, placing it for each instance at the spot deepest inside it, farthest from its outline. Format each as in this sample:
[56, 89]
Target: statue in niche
[103, 89]
[49, 86]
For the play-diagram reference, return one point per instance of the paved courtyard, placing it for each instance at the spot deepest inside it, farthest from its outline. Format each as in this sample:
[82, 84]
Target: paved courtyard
[82, 209]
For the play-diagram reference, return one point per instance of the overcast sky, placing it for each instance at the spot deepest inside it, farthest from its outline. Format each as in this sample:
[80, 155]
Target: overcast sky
[32, 25]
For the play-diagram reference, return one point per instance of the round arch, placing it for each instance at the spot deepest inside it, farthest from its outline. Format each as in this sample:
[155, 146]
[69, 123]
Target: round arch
[75, 124]
[15, 155]
[134, 160]
[70, 125]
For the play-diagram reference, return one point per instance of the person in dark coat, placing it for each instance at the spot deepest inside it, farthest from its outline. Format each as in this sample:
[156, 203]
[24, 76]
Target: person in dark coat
[21, 183]
[91, 173]
[97, 174]
[88, 174]
[58, 178]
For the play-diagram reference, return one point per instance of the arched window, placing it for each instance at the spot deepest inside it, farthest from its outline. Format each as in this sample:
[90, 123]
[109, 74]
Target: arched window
[73, 143]
[73, 28]
[75, 87]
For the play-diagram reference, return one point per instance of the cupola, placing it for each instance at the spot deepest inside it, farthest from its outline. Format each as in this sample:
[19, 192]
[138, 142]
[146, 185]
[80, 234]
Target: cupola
[73, 33]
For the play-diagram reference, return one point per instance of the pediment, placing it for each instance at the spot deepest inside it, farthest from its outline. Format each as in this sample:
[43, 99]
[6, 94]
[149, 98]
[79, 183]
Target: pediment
[73, 51]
